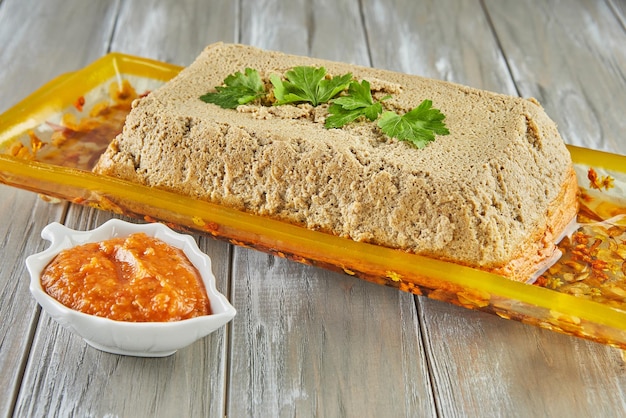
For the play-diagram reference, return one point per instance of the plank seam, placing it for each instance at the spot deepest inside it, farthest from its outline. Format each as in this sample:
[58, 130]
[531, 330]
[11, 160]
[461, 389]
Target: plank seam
[427, 354]
[365, 32]
[492, 29]
[24, 360]
[228, 334]
[614, 10]
[118, 8]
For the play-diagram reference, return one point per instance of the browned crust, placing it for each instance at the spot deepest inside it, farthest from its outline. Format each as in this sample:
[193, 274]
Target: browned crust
[540, 247]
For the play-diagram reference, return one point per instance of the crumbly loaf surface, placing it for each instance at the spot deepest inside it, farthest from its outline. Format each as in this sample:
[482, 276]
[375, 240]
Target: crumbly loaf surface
[493, 194]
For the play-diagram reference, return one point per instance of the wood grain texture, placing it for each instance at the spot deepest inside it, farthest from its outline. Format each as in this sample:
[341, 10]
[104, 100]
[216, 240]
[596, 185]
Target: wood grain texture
[103, 384]
[308, 342]
[482, 364]
[571, 57]
[473, 367]
[18, 310]
[31, 55]
[619, 8]
[447, 40]
[326, 29]
[64, 374]
[41, 40]
[174, 33]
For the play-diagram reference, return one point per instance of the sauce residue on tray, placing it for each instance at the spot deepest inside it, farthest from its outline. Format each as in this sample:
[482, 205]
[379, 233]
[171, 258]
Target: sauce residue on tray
[593, 264]
[135, 279]
[78, 143]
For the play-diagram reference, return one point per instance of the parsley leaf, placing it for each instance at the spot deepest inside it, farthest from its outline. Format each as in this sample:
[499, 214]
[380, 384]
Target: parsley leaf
[308, 84]
[358, 102]
[239, 89]
[417, 126]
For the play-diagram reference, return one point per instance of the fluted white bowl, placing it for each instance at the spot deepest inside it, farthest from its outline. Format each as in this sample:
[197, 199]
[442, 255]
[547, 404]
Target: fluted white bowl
[143, 339]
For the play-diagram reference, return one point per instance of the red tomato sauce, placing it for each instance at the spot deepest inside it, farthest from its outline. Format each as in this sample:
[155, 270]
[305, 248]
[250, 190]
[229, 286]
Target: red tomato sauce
[135, 279]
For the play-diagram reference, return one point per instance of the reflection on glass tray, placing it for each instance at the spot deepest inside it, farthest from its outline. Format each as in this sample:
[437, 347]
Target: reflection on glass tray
[51, 140]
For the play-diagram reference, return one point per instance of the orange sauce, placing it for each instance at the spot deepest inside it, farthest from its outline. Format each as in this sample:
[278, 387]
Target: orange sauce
[79, 142]
[593, 264]
[135, 279]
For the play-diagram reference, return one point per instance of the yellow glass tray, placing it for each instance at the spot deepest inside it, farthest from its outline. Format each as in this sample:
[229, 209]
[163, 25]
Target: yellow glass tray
[572, 300]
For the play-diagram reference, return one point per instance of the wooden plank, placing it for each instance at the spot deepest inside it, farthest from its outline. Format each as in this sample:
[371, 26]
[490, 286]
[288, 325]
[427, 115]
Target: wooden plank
[325, 350]
[44, 39]
[18, 310]
[511, 369]
[571, 57]
[324, 29]
[453, 41]
[173, 33]
[447, 40]
[480, 362]
[308, 342]
[314, 343]
[34, 50]
[70, 378]
[619, 8]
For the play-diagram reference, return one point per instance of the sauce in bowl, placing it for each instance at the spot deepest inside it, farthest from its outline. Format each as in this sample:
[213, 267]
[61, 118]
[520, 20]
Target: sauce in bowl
[137, 279]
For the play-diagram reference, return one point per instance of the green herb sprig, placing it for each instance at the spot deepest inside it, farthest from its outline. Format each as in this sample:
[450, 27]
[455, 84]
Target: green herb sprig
[417, 126]
[238, 89]
[358, 102]
[308, 84]
[311, 85]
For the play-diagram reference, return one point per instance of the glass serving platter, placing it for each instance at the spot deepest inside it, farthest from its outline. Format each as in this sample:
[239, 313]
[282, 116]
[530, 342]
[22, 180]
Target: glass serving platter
[50, 141]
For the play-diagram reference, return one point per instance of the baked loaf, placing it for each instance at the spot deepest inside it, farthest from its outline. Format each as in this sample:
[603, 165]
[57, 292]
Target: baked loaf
[495, 194]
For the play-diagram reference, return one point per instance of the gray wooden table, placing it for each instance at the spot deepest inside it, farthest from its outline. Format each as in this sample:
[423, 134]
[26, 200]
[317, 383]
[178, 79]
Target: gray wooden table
[308, 342]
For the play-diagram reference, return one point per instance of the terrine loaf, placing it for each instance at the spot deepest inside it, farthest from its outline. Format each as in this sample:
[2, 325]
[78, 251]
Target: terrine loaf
[495, 194]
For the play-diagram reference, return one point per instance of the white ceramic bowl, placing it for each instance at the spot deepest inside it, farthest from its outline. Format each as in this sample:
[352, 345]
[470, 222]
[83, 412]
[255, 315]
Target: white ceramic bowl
[143, 339]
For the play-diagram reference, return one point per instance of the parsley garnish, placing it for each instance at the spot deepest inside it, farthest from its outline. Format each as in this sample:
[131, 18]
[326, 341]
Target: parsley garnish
[417, 126]
[308, 84]
[239, 89]
[358, 102]
[311, 85]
